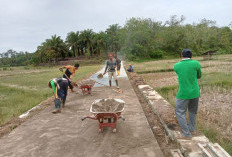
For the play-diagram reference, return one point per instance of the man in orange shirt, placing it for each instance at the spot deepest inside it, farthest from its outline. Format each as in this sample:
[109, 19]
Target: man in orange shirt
[69, 73]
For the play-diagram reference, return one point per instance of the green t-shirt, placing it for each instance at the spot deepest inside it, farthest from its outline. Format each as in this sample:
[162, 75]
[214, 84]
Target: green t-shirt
[188, 71]
[53, 86]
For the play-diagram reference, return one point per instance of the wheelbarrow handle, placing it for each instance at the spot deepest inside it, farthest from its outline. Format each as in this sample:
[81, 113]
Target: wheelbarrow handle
[83, 118]
[123, 118]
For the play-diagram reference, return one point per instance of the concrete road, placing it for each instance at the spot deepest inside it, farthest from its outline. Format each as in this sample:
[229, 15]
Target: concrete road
[65, 135]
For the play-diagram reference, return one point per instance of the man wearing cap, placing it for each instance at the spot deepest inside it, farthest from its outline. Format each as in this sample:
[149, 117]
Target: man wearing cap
[69, 73]
[111, 65]
[60, 90]
[188, 72]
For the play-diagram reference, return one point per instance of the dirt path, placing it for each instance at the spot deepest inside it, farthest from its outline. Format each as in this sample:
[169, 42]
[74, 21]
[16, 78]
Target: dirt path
[65, 134]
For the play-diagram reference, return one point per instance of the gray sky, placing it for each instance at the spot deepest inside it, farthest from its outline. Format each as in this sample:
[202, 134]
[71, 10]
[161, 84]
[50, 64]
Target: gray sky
[25, 24]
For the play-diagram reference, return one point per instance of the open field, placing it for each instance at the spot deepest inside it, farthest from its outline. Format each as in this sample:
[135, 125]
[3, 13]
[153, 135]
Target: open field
[214, 118]
[22, 88]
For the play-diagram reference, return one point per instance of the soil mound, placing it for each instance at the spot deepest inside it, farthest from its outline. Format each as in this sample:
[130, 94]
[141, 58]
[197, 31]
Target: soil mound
[108, 105]
[87, 82]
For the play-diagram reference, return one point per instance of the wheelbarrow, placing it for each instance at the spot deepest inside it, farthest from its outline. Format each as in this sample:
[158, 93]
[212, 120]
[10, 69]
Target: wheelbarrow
[106, 112]
[86, 86]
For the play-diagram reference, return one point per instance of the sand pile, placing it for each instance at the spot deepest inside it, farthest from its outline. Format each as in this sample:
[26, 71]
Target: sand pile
[86, 82]
[108, 105]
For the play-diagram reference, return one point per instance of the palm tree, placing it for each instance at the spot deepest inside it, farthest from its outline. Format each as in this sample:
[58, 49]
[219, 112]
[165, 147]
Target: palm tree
[99, 43]
[86, 37]
[113, 38]
[72, 41]
[53, 48]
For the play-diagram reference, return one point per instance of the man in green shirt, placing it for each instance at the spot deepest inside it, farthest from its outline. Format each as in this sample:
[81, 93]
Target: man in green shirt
[188, 72]
[60, 90]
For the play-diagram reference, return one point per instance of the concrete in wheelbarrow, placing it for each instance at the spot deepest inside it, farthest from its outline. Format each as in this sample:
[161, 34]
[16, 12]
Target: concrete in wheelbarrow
[64, 134]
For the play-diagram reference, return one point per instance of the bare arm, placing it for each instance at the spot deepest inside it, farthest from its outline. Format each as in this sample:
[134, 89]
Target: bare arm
[106, 67]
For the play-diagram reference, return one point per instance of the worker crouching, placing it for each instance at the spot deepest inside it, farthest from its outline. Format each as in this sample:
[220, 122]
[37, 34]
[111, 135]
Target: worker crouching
[60, 90]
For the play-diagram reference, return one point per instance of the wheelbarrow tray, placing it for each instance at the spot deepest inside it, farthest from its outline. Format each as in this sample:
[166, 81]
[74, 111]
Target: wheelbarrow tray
[98, 100]
[101, 116]
[86, 86]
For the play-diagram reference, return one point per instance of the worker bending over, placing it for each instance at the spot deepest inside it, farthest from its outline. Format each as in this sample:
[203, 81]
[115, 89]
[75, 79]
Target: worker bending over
[60, 90]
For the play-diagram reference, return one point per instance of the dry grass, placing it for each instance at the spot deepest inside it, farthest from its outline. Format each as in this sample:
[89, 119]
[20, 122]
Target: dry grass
[161, 79]
[215, 104]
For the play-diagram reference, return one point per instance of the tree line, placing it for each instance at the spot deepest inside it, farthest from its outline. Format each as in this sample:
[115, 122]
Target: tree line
[138, 38]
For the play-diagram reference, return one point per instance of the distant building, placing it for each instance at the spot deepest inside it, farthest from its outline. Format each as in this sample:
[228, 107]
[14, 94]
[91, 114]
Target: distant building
[208, 55]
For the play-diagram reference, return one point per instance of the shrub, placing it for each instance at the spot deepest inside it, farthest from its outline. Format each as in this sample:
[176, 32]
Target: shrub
[26, 68]
[131, 57]
[156, 54]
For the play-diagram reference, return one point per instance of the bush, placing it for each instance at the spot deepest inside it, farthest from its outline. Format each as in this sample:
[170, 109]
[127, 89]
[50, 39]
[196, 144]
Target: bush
[156, 54]
[131, 57]
[26, 68]
[4, 69]
[88, 54]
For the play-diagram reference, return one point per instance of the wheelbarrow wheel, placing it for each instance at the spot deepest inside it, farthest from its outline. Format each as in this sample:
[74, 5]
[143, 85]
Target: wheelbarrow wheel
[114, 130]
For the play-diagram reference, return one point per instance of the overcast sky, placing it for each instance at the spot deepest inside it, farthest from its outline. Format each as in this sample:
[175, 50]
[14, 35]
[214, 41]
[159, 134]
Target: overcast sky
[25, 24]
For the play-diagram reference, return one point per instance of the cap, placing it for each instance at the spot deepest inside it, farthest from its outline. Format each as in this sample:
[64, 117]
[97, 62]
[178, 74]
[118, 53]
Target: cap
[187, 53]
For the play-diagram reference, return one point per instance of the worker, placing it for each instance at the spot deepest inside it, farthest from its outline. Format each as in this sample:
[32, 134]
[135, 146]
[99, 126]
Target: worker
[118, 61]
[60, 90]
[130, 68]
[69, 73]
[111, 65]
[188, 72]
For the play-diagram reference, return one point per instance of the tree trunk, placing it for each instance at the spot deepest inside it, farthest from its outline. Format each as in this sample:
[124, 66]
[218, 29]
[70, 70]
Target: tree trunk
[78, 51]
[74, 53]
[91, 50]
[82, 52]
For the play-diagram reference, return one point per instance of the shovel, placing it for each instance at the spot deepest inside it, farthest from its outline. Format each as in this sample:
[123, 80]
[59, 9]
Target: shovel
[118, 91]
[100, 76]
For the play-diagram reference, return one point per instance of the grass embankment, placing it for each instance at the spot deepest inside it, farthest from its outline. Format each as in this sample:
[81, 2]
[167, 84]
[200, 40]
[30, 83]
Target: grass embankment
[215, 84]
[25, 87]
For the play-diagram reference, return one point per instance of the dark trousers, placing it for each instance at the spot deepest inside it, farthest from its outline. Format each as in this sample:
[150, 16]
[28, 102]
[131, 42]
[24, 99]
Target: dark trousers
[63, 91]
[69, 82]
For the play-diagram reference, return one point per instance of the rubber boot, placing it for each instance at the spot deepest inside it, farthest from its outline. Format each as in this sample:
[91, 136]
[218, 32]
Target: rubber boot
[117, 83]
[110, 82]
[118, 71]
[57, 106]
[63, 101]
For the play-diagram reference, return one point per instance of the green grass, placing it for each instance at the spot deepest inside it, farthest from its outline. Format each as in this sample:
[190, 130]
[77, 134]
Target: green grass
[17, 101]
[22, 91]
[216, 79]
[168, 93]
[155, 71]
